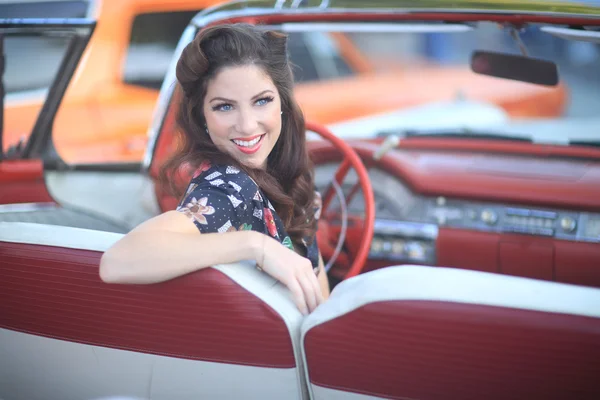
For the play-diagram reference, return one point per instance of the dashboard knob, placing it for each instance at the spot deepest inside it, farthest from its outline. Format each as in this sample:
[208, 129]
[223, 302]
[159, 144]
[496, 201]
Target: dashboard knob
[377, 245]
[568, 224]
[441, 218]
[488, 216]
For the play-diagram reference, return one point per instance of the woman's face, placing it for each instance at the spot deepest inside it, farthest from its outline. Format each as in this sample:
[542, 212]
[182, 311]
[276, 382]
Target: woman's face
[242, 108]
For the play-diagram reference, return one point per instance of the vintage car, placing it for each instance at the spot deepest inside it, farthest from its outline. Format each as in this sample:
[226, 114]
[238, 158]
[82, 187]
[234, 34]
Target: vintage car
[107, 108]
[463, 248]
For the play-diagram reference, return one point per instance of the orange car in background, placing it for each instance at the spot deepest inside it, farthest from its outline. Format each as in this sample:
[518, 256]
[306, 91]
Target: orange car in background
[108, 106]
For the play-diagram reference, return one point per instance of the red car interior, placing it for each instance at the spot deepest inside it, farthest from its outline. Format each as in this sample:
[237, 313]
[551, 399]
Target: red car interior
[484, 286]
[51, 288]
[22, 181]
[429, 342]
[526, 177]
[152, 319]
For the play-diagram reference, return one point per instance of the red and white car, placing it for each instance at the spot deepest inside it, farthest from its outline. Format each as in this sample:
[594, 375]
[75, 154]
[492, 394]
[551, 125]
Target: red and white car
[467, 266]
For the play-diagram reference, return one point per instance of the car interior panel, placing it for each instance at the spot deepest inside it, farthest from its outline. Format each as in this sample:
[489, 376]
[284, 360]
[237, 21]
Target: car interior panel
[164, 321]
[471, 335]
[460, 229]
[23, 182]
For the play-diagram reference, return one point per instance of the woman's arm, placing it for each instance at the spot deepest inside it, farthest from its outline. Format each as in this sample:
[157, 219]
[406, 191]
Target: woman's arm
[168, 246]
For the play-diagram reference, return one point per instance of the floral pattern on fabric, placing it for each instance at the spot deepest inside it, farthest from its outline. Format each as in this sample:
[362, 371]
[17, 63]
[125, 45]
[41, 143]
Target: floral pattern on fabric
[243, 227]
[197, 210]
[270, 222]
[225, 199]
[287, 242]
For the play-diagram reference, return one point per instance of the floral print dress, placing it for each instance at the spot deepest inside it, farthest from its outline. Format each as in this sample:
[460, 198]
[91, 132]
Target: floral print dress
[224, 199]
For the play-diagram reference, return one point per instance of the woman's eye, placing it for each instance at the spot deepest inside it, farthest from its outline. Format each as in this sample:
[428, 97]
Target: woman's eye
[222, 107]
[264, 100]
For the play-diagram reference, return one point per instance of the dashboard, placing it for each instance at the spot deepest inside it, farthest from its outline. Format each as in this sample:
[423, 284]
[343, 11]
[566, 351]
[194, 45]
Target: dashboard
[408, 224]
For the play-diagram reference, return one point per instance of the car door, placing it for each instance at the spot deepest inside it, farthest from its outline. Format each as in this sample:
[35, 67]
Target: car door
[37, 90]
[36, 185]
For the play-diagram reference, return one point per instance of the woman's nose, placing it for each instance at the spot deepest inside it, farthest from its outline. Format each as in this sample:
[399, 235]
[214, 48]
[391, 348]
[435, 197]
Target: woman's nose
[247, 122]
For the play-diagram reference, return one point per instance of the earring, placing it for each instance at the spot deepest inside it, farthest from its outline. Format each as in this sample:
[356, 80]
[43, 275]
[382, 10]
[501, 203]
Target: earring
[282, 113]
[206, 128]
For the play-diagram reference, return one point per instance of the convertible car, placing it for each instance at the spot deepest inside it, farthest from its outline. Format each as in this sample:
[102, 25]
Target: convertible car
[107, 108]
[463, 247]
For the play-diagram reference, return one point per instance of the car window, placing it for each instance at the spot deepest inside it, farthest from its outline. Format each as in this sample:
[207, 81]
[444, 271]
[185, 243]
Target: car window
[44, 9]
[153, 39]
[31, 65]
[316, 57]
[304, 66]
[32, 61]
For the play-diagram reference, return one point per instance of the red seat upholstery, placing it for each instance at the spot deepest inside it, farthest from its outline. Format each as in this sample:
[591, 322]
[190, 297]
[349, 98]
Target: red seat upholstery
[224, 332]
[436, 333]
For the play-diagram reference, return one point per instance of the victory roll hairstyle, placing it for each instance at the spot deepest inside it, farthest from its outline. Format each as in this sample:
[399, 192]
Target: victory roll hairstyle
[287, 181]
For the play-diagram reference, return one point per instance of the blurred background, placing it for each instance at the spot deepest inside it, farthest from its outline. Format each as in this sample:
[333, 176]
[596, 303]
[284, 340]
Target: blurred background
[116, 86]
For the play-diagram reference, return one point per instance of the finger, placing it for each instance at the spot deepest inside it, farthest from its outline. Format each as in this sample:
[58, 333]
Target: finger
[308, 289]
[298, 295]
[317, 286]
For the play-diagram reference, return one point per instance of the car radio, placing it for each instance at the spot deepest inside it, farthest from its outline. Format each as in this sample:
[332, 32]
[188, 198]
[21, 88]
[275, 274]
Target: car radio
[535, 222]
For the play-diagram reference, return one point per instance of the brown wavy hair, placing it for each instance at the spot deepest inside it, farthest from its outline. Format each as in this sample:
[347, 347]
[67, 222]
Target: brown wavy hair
[288, 180]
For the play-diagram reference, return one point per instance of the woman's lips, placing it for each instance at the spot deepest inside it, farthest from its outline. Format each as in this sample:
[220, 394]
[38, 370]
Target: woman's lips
[249, 145]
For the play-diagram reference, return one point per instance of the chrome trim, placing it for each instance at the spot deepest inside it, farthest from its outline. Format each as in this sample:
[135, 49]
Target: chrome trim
[27, 207]
[374, 27]
[225, 11]
[406, 229]
[166, 92]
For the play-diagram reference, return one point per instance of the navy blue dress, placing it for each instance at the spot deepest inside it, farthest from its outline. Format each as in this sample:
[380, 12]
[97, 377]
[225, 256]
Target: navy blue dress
[224, 199]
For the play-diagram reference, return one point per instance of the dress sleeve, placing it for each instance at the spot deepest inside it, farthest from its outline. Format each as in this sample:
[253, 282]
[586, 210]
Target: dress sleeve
[217, 208]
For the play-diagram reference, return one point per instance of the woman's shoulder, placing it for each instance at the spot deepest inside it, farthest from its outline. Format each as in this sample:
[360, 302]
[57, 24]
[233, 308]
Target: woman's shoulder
[219, 198]
[222, 177]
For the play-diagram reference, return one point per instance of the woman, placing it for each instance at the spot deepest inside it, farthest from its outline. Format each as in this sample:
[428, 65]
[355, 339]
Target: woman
[252, 193]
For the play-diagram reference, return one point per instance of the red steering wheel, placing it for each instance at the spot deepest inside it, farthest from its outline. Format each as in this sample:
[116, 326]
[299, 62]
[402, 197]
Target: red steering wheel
[351, 159]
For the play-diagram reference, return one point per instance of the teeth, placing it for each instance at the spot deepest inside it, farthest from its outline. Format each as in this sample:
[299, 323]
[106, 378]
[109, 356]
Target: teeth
[247, 143]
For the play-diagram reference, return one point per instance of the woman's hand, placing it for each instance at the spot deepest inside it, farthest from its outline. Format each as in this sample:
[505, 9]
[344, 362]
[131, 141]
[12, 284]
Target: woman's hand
[294, 271]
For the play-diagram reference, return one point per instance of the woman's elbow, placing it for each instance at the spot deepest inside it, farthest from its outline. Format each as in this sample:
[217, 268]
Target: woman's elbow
[111, 267]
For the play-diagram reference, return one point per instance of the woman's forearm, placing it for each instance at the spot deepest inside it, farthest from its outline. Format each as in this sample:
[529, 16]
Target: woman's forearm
[150, 257]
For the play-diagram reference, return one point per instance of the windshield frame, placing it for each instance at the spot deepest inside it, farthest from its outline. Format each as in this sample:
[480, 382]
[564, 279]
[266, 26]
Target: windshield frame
[274, 14]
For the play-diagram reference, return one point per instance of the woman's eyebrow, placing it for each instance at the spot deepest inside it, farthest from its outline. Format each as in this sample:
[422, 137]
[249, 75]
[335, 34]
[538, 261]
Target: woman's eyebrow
[221, 99]
[233, 101]
[261, 93]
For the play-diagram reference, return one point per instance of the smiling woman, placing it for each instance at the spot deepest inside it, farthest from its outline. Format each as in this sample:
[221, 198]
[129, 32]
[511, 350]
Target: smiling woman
[250, 123]
[252, 193]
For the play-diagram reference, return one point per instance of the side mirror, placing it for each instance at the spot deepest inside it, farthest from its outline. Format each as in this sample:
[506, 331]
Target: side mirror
[515, 67]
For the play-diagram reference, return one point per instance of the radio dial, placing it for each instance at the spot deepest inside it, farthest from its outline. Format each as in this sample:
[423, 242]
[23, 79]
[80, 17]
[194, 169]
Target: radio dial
[568, 224]
[489, 217]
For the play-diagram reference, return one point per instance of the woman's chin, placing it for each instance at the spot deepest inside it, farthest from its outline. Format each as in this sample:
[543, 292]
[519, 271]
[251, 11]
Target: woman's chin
[253, 162]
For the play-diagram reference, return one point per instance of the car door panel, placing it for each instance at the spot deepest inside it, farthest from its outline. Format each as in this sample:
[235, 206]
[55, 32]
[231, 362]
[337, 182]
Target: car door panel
[22, 181]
